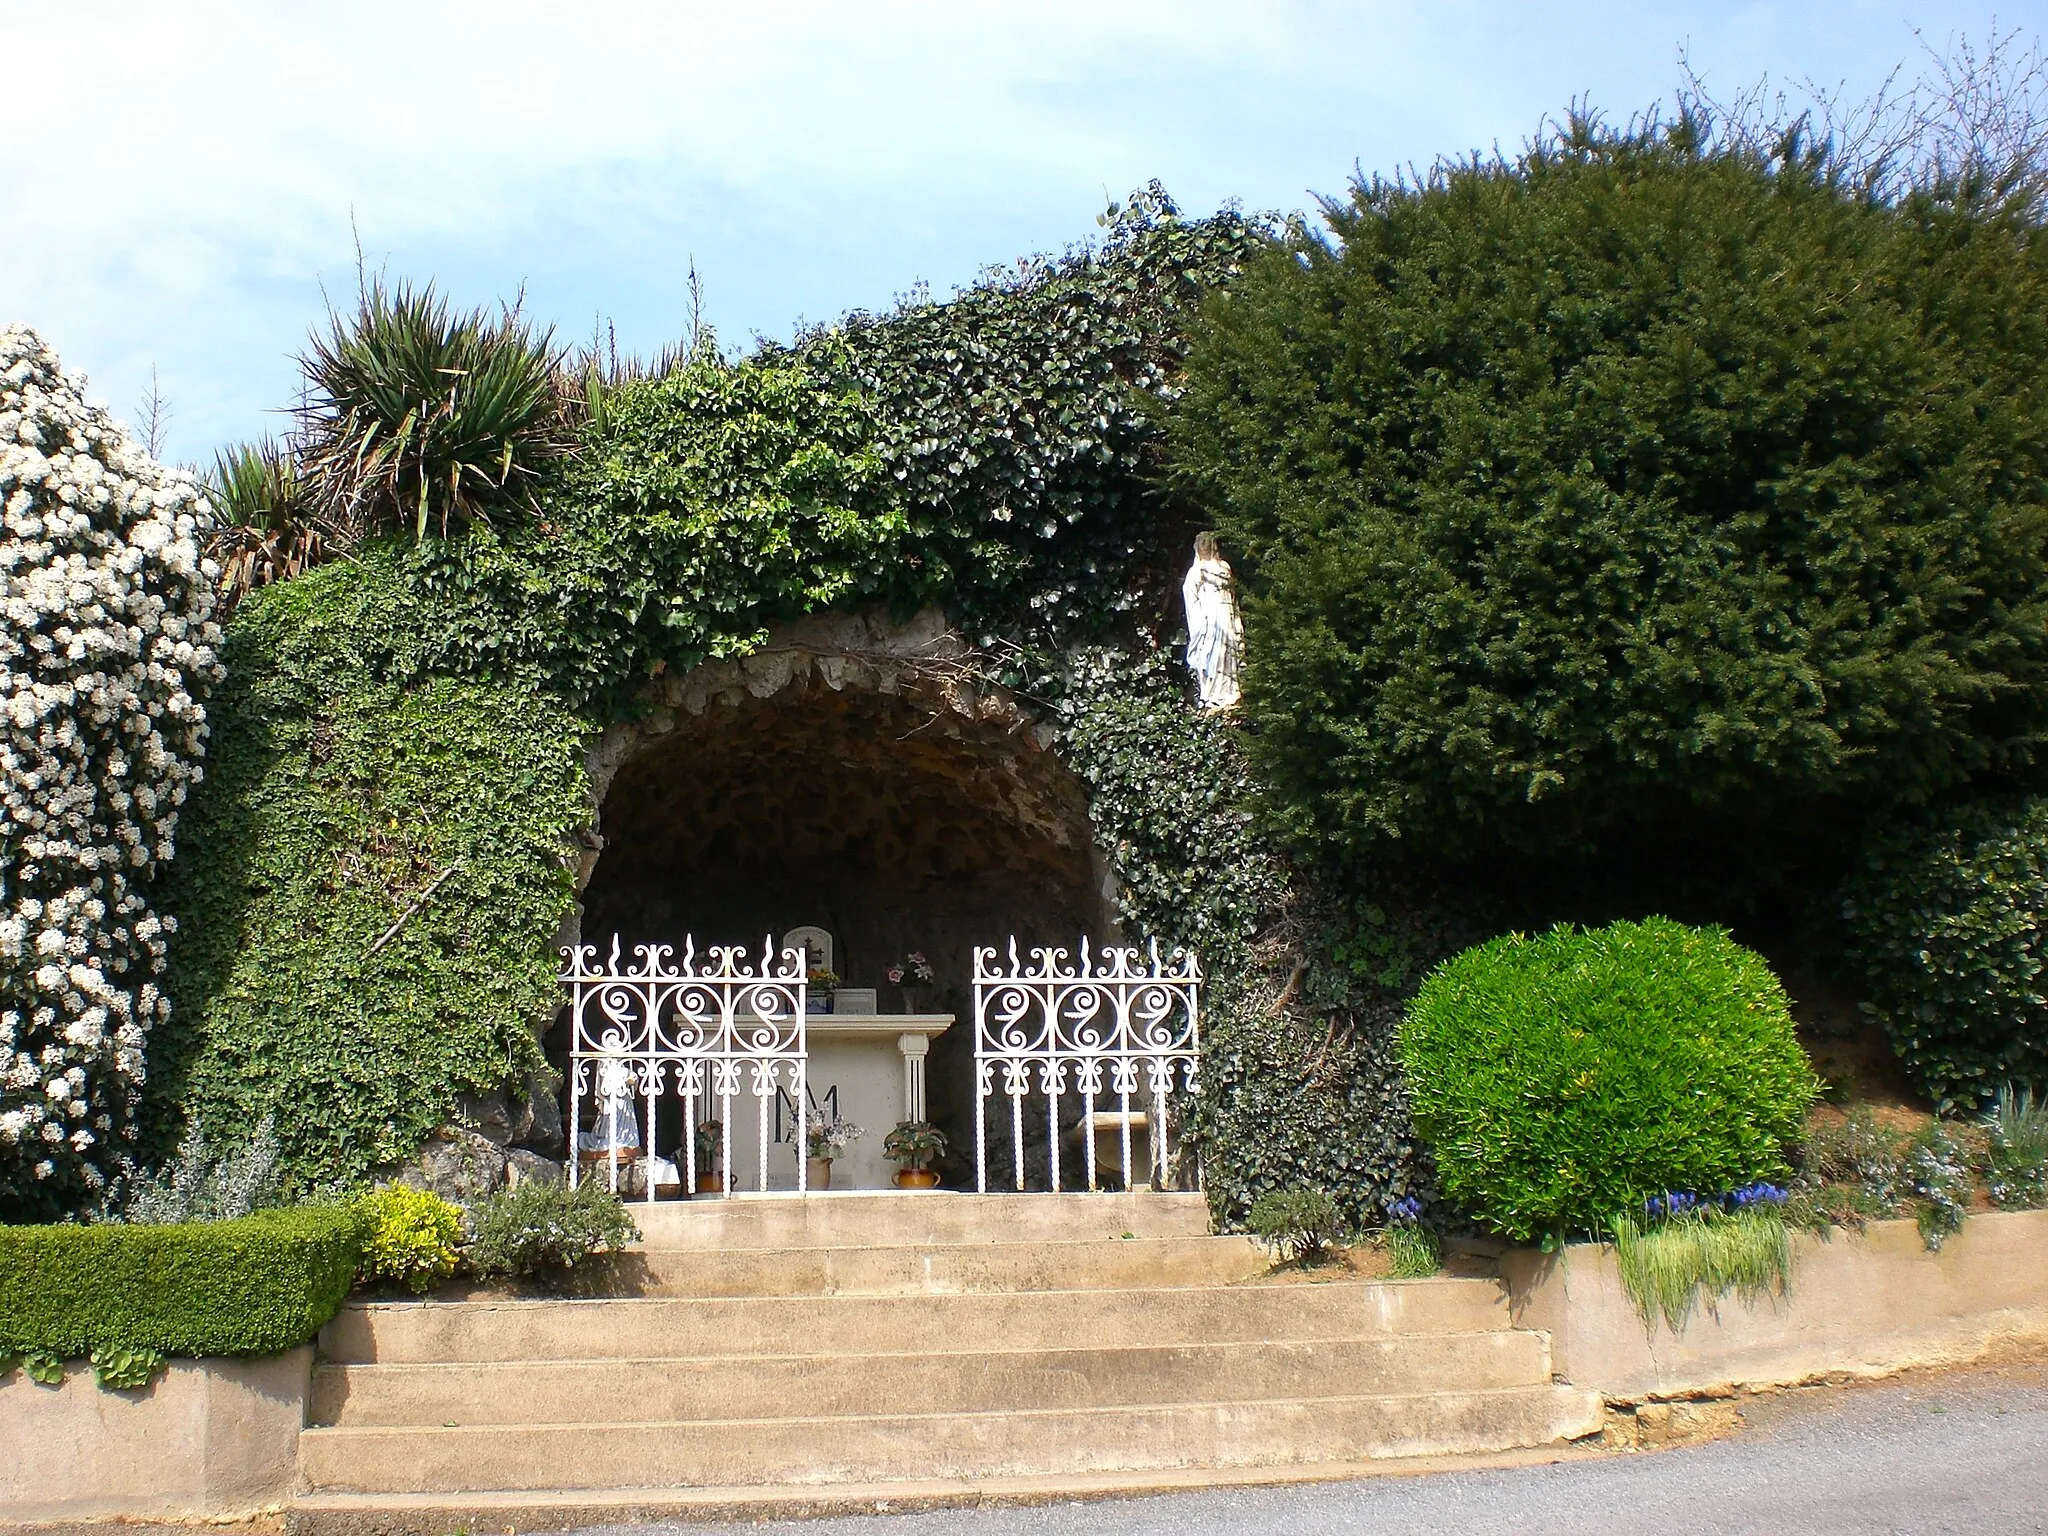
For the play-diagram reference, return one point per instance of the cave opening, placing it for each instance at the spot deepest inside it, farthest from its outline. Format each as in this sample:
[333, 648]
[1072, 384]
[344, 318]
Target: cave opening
[899, 819]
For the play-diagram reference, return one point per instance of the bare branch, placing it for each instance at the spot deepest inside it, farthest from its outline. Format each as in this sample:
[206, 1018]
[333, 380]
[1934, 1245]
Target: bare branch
[156, 417]
[1972, 126]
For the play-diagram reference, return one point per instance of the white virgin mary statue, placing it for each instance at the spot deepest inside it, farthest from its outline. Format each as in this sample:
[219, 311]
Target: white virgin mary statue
[1215, 632]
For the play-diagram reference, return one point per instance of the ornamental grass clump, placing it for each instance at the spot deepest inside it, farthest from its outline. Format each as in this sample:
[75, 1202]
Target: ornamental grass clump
[107, 647]
[1411, 1246]
[1565, 1080]
[1701, 1252]
[2016, 1154]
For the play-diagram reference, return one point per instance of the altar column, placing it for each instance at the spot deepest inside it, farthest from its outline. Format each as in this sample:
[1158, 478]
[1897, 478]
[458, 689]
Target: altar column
[913, 1048]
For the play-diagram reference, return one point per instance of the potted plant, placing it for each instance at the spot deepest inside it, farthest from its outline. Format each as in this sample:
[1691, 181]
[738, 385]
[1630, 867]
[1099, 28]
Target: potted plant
[819, 998]
[913, 1145]
[710, 1144]
[825, 1141]
[913, 973]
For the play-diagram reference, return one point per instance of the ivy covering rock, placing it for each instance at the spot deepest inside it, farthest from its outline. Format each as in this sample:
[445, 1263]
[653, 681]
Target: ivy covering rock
[418, 713]
[107, 650]
[1306, 971]
[1556, 520]
[370, 892]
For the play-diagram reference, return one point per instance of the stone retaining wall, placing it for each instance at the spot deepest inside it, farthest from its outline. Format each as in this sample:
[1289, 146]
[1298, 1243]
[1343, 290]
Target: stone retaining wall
[1859, 1304]
[206, 1439]
[219, 1438]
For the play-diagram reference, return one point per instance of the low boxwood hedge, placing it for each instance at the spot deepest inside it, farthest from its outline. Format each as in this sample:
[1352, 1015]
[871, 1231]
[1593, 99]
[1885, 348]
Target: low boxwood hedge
[253, 1286]
[1565, 1079]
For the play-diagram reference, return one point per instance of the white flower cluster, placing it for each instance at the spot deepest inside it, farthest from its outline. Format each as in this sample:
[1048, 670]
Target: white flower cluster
[107, 646]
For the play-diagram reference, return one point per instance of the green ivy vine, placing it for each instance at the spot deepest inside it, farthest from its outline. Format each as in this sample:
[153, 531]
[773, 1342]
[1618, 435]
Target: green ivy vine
[1307, 968]
[375, 871]
[366, 886]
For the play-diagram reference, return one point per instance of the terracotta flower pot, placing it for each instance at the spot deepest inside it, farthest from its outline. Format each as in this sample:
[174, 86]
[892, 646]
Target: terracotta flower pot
[710, 1184]
[818, 1172]
[917, 1178]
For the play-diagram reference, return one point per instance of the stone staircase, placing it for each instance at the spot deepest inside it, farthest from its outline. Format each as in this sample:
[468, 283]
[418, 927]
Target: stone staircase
[906, 1344]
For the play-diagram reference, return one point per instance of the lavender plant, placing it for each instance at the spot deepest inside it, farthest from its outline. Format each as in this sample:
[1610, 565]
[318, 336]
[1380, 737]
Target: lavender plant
[209, 1183]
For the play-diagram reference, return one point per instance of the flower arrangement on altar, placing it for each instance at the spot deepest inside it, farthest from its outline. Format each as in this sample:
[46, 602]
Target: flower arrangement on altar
[912, 970]
[822, 980]
[828, 1137]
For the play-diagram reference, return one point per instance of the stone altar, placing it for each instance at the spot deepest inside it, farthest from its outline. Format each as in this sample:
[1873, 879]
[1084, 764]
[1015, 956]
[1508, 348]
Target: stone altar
[870, 1068]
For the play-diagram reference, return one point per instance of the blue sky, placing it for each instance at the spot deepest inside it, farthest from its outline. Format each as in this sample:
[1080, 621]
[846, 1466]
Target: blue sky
[185, 183]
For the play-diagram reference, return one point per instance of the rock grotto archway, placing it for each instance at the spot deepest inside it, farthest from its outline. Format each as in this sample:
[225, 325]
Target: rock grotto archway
[852, 774]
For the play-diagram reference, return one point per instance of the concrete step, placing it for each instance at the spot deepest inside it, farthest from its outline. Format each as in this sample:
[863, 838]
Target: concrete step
[444, 1332]
[578, 1509]
[422, 1460]
[964, 1381]
[882, 1218]
[927, 1269]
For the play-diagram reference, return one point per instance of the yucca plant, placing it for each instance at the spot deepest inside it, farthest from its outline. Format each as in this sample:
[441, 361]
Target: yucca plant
[417, 418]
[267, 526]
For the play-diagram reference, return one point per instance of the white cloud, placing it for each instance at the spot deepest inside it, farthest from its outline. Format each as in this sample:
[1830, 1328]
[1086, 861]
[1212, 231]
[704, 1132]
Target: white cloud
[182, 178]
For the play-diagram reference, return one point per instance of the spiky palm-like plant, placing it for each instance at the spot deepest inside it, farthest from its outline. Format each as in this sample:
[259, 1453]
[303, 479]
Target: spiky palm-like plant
[419, 418]
[267, 525]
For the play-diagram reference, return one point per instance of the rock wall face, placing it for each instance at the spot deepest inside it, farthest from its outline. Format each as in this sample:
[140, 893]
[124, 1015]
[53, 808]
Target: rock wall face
[107, 647]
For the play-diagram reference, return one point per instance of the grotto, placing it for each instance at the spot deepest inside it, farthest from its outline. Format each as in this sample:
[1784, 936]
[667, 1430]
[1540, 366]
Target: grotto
[853, 775]
[649, 694]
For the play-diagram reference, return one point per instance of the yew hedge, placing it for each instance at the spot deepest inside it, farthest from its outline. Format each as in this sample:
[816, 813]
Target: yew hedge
[1629, 481]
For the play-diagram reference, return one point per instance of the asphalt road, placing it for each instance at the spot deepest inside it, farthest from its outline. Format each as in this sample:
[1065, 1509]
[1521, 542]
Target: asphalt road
[1964, 1452]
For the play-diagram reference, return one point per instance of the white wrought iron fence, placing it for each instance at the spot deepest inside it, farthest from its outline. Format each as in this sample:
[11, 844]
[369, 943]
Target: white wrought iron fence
[731, 1031]
[1119, 1026]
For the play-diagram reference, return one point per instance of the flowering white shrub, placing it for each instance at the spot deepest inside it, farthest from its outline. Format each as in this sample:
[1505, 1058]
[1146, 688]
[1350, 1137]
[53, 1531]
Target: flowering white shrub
[107, 646]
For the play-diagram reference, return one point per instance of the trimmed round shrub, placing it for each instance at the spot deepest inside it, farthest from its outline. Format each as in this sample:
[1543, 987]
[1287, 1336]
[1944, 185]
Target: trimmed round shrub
[107, 647]
[1567, 1078]
[1945, 924]
[412, 1237]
